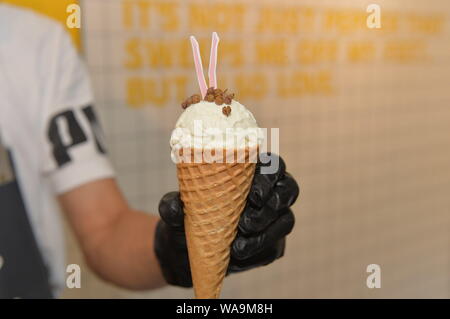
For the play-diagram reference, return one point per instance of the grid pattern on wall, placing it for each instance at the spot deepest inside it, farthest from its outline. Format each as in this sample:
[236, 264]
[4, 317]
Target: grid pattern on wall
[372, 159]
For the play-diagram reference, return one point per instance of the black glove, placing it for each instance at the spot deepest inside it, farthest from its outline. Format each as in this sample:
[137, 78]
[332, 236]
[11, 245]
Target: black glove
[263, 226]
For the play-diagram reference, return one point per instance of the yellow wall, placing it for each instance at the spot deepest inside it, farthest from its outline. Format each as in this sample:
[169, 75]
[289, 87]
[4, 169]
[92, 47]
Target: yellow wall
[363, 124]
[53, 9]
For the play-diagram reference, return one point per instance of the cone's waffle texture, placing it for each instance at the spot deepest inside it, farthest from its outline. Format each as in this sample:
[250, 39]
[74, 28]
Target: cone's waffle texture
[214, 196]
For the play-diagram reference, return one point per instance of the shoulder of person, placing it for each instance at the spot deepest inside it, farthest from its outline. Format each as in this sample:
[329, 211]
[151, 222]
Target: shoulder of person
[30, 30]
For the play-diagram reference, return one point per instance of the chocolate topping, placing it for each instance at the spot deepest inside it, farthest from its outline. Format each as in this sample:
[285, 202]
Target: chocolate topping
[210, 91]
[226, 110]
[219, 100]
[196, 98]
[218, 92]
[212, 95]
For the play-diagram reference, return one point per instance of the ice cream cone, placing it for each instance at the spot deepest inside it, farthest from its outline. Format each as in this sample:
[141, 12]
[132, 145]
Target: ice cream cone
[214, 192]
[214, 196]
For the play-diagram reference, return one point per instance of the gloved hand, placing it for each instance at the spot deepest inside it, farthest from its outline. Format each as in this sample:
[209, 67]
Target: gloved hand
[263, 226]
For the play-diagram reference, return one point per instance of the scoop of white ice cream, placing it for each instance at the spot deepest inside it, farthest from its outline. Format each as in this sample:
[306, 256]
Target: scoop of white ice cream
[203, 125]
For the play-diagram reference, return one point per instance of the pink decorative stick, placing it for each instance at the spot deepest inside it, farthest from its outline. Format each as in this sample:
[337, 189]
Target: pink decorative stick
[213, 61]
[198, 66]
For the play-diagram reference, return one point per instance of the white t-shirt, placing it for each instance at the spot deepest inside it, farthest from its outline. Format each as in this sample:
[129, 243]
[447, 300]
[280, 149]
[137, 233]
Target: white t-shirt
[47, 122]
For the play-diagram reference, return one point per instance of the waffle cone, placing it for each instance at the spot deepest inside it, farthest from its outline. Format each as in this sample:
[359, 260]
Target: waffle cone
[214, 196]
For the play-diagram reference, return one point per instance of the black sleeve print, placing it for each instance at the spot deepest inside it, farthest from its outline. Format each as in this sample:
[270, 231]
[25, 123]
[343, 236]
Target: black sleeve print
[90, 114]
[60, 148]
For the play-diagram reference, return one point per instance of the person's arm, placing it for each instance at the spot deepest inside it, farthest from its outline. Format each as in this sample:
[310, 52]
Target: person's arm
[117, 241]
